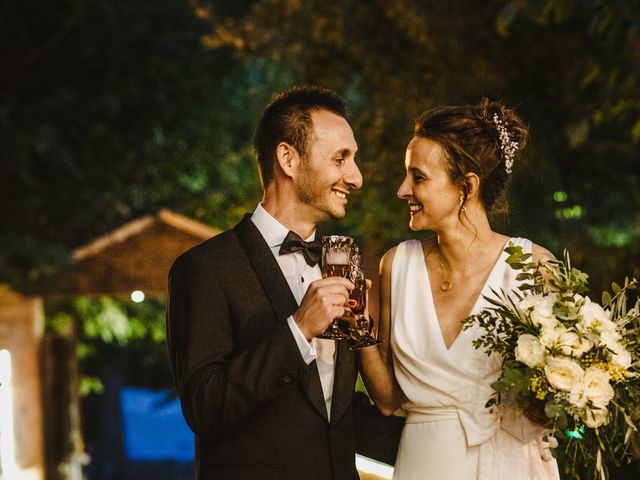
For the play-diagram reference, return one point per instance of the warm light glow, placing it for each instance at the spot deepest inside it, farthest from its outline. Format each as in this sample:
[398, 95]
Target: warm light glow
[373, 467]
[137, 296]
[7, 442]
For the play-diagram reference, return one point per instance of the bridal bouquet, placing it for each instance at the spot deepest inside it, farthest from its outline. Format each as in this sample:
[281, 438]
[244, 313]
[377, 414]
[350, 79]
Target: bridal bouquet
[569, 362]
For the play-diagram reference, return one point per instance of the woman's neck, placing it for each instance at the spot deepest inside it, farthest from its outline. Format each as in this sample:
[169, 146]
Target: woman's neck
[460, 245]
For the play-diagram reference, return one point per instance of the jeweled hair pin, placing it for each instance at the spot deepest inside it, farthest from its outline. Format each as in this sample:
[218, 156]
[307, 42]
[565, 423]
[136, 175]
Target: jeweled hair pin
[507, 146]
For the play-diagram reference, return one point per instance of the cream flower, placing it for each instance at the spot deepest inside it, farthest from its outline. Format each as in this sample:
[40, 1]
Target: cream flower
[540, 308]
[578, 397]
[597, 387]
[530, 351]
[571, 344]
[550, 333]
[594, 318]
[528, 302]
[620, 356]
[595, 417]
[609, 338]
[563, 373]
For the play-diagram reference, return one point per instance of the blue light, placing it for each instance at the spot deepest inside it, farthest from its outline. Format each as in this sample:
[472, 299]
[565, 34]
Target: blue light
[154, 428]
[577, 433]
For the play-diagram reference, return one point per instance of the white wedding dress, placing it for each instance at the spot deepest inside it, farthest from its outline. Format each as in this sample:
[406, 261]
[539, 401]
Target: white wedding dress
[449, 433]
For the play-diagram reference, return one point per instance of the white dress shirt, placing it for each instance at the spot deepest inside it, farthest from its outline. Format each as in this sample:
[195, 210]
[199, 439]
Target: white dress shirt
[299, 275]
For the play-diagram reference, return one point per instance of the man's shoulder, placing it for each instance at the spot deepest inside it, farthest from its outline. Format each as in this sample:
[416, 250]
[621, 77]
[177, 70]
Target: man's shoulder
[215, 244]
[215, 249]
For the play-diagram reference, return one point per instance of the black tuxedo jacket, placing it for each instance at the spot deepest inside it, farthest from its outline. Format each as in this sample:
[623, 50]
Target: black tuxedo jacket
[257, 410]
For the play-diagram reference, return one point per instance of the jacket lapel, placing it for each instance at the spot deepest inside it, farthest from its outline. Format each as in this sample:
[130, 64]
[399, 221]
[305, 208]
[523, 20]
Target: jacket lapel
[267, 269]
[343, 385]
[279, 294]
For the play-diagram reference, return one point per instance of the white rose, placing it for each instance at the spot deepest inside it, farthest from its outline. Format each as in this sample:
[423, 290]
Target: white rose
[620, 356]
[595, 417]
[550, 333]
[572, 345]
[540, 308]
[609, 338]
[578, 396]
[566, 340]
[528, 302]
[563, 373]
[530, 351]
[597, 387]
[582, 347]
[593, 317]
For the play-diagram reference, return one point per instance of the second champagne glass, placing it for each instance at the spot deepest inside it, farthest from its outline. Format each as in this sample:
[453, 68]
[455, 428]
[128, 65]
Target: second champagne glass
[360, 325]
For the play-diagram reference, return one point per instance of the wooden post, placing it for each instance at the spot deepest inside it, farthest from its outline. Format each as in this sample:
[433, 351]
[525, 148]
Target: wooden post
[21, 330]
[64, 445]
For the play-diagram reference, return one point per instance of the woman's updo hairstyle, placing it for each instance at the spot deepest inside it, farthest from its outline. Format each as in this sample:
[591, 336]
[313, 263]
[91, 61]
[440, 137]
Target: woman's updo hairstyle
[484, 139]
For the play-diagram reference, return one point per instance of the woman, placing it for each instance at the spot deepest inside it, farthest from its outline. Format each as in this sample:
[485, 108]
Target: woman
[457, 166]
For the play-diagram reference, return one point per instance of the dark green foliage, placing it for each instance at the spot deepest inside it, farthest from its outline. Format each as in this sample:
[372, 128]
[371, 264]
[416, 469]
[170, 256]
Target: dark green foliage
[115, 336]
[570, 67]
[110, 110]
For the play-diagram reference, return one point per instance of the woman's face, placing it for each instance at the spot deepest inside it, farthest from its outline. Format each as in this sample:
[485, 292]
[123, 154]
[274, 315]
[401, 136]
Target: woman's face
[434, 201]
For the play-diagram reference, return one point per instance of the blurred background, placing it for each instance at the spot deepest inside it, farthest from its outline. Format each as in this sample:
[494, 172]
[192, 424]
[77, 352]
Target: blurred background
[125, 138]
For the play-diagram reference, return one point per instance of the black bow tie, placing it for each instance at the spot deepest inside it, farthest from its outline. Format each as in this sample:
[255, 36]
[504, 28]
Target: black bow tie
[312, 251]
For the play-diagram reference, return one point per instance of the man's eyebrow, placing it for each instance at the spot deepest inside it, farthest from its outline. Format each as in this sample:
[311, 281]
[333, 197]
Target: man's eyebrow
[345, 152]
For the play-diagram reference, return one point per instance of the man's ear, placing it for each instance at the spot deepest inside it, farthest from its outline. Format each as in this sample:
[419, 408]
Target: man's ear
[288, 158]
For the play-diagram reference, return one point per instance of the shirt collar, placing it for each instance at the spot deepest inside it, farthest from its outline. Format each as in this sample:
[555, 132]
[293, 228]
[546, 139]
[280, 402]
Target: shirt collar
[270, 228]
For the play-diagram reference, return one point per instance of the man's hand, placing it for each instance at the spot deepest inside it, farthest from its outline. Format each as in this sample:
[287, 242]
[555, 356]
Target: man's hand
[325, 300]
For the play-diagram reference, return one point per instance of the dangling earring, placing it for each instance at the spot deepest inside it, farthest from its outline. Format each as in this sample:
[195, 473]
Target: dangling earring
[463, 207]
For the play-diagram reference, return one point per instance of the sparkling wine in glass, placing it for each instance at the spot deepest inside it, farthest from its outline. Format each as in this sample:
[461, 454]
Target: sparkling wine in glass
[336, 256]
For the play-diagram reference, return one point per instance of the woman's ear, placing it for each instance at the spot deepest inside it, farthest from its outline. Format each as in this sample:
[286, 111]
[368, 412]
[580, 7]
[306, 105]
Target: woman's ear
[287, 158]
[472, 182]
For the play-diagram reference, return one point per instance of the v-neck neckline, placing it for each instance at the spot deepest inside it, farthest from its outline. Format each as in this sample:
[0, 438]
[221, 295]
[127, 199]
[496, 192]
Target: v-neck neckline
[475, 304]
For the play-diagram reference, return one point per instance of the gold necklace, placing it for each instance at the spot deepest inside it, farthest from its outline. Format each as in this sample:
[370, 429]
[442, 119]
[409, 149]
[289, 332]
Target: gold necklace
[446, 285]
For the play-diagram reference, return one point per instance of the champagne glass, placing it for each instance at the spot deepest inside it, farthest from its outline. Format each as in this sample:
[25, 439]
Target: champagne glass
[336, 255]
[360, 325]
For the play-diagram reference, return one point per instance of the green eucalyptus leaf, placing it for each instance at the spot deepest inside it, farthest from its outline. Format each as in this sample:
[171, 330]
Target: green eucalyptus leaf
[513, 249]
[552, 410]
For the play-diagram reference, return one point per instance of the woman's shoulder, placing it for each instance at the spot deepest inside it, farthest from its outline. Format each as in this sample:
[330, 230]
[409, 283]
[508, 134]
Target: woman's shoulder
[539, 252]
[403, 248]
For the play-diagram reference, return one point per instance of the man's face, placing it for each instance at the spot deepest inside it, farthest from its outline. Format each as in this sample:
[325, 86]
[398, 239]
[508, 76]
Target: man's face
[329, 172]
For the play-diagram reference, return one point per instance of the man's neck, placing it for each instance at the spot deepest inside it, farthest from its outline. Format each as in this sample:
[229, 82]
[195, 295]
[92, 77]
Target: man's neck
[293, 218]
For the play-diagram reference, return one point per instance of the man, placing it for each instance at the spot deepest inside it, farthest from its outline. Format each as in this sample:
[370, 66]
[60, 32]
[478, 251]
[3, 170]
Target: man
[265, 398]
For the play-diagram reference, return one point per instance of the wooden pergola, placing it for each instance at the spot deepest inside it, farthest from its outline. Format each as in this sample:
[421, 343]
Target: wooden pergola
[135, 256]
